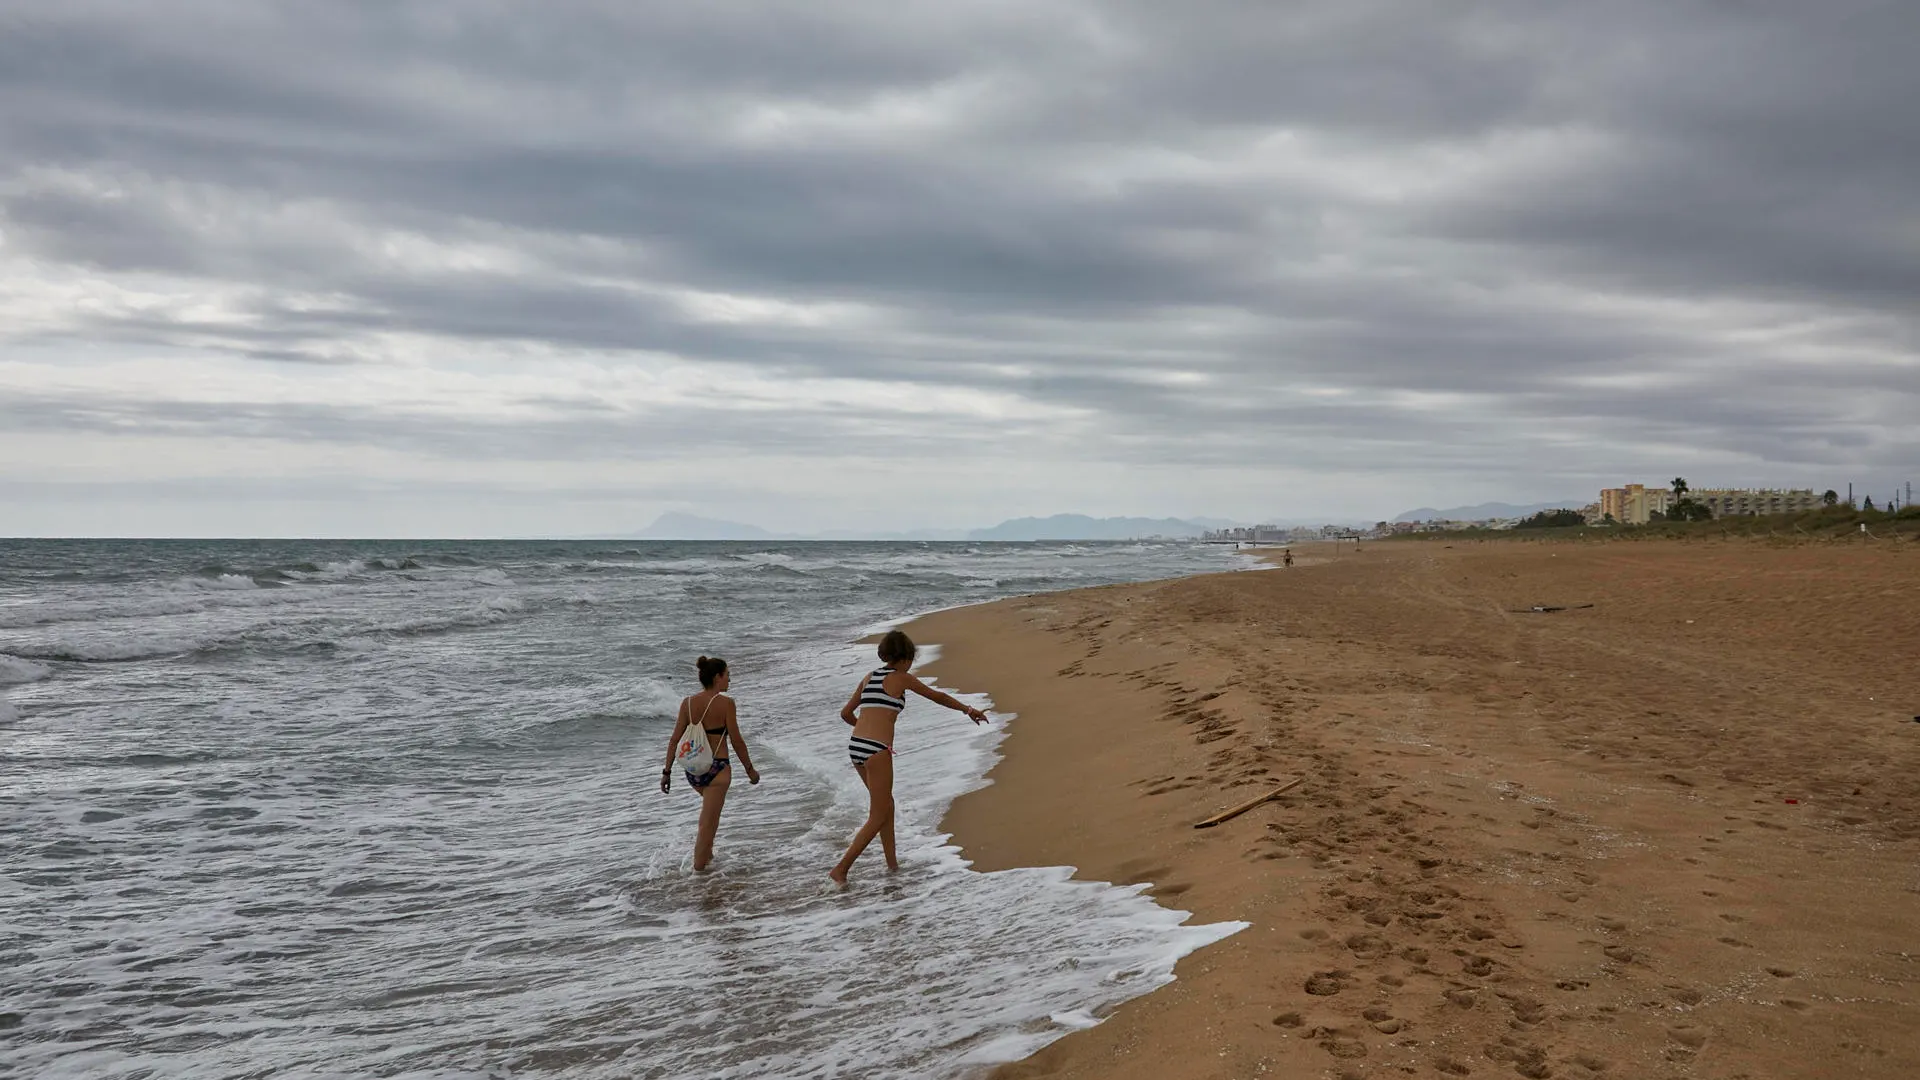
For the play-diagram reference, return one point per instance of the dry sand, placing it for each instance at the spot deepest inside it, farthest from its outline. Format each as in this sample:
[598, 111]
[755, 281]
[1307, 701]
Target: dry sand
[1674, 834]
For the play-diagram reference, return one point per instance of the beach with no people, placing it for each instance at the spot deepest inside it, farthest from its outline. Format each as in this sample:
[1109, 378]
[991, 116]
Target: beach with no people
[1673, 833]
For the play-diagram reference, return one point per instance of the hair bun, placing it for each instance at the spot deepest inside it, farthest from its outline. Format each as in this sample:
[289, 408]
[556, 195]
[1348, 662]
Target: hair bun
[702, 660]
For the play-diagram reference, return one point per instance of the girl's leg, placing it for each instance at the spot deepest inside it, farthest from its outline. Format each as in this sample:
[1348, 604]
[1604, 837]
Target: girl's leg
[886, 830]
[712, 799]
[878, 774]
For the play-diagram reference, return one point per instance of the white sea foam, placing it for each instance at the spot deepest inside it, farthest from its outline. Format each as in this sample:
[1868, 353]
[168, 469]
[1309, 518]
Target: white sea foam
[657, 697]
[14, 670]
[224, 581]
[117, 648]
[780, 557]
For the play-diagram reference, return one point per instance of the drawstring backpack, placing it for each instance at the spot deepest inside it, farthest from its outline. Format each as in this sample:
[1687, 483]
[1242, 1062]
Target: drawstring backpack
[695, 753]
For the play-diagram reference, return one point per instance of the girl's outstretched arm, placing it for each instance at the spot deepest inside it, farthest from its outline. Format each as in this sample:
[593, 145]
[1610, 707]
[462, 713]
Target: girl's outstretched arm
[939, 698]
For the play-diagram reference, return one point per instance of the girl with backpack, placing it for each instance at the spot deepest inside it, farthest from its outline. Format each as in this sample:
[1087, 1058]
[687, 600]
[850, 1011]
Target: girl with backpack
[708, 723]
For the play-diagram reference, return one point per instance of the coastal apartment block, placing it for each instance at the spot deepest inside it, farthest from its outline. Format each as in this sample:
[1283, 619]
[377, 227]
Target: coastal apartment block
[1634, 504]
[1730, 502]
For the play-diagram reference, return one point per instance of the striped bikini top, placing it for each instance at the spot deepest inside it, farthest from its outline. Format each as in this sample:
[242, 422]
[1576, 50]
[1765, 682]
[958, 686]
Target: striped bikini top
[875, 692]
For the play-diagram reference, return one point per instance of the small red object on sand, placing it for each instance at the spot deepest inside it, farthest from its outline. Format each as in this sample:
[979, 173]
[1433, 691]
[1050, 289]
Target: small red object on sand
[1796, 802]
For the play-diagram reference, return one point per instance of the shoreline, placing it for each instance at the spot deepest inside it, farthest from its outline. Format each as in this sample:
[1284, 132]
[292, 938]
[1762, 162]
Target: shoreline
[1633, 840]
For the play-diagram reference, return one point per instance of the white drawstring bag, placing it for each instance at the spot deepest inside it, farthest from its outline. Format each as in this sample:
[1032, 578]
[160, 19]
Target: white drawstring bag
[695, 752]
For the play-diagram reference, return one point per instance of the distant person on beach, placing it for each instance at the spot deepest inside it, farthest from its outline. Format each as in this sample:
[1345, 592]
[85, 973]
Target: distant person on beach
[711, 711]
[872, 710]
[1286, 556]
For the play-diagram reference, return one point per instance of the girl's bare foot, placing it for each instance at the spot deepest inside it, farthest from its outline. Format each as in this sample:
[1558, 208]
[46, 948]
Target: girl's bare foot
[839, 876]
[893, 866]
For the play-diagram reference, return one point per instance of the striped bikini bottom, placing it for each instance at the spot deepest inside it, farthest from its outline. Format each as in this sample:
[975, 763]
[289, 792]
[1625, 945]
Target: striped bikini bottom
[860, 749]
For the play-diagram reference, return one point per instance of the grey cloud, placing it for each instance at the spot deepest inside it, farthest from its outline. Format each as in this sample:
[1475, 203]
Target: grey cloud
[1756, 155]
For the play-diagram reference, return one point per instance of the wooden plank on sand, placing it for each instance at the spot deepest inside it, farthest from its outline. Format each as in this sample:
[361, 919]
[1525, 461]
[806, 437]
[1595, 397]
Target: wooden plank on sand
[1246, 806]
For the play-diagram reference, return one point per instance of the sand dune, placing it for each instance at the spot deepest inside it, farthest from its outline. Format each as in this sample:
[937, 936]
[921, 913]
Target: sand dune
[1673, 834]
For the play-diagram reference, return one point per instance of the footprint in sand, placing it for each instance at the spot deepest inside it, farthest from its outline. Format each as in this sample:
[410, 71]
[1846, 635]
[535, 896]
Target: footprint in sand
[1451, 1066]
[1477, 965]
[1368, 946]
[1344, 1048]
[1782, 973]
[1383, 1020]
[1325, 983]
[1618, 953]
[1527, 1010]
[1686, 1035]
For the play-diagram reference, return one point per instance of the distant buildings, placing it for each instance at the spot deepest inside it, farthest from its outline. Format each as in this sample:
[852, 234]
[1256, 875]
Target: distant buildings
[1728, 502]
[1635, 504]
[1630, 504]
[1250, 534]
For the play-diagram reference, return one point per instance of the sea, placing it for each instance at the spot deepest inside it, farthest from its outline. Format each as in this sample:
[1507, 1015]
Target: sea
[392, 809]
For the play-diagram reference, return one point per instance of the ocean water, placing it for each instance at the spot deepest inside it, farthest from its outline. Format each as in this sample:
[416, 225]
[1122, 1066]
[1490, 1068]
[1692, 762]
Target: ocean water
[350, 809]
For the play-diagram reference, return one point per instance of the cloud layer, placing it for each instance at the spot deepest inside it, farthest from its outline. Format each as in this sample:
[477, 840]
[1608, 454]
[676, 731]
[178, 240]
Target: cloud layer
[825, 263]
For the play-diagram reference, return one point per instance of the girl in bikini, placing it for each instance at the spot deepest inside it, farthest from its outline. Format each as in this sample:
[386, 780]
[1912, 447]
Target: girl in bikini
[713, 711]
[872, 710]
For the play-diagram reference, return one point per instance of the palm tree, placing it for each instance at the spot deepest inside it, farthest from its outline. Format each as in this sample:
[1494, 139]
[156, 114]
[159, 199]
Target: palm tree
[1679, 487]
[1831, 498]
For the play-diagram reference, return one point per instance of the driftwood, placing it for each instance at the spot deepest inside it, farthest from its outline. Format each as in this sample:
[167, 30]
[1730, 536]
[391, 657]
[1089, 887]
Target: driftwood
[1248, 805]
[1544, 608]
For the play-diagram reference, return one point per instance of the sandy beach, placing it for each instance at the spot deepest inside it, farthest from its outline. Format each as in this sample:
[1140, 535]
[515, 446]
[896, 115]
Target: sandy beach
[1675, 833]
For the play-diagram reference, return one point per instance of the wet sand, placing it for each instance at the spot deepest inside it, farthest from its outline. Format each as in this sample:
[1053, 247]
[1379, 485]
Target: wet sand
[1673, 834]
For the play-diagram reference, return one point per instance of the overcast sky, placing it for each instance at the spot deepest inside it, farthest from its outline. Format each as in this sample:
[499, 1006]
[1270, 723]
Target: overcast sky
[458, 268]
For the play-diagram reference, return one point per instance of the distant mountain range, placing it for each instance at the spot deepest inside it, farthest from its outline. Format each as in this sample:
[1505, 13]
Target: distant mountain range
[679, 526]
[1082, 527]
[682, 526]
[1483, 511]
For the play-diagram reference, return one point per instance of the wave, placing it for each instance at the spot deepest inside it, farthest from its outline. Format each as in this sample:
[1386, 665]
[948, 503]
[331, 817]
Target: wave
[225, 581]
[297, 635]
[762, 558]
[120, 650]
[180, 598]
[15, 670]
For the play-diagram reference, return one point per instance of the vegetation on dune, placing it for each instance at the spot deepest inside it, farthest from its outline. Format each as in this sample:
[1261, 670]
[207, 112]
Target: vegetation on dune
[1838, 522]
[1552, 519]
